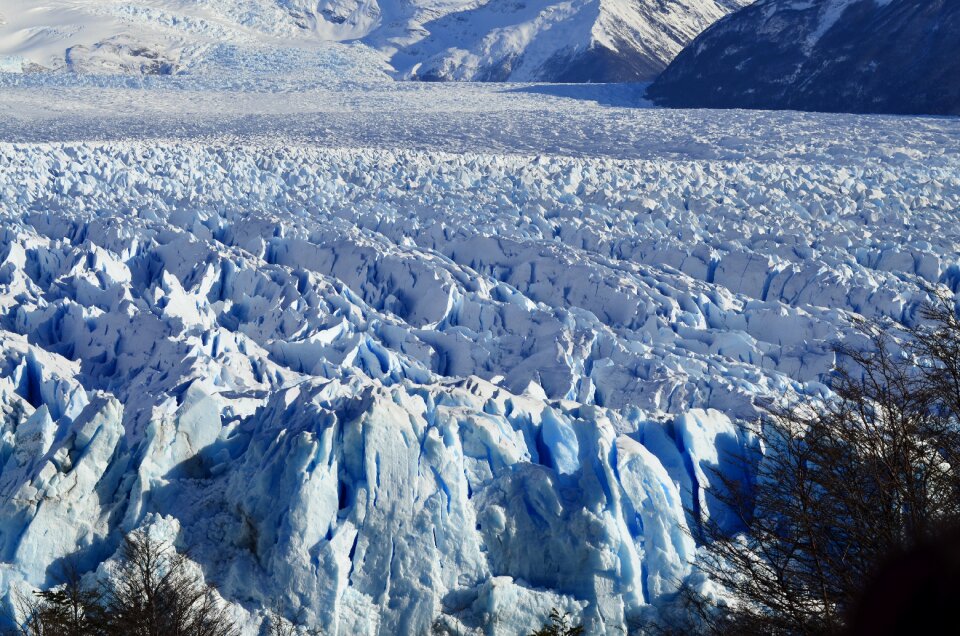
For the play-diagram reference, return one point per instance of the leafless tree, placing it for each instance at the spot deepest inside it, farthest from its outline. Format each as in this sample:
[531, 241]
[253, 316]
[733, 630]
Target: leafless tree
[69, 609]
[844, 483]
[153, 593]
[559, 625]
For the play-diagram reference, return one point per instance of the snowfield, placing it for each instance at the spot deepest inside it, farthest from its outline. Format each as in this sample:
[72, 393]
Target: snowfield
[386, 356]
[540, 40]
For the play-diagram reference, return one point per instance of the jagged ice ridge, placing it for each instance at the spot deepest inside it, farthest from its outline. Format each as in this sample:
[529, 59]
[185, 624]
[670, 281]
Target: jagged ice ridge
[383, 388]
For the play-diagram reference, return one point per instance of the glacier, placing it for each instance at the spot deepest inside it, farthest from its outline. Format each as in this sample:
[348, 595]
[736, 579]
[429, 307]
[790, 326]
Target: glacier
[395, 386]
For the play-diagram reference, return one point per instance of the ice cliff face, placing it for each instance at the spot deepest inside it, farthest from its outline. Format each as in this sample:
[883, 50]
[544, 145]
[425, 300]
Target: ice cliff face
[543, 40]
[383, 390]
[866, 56]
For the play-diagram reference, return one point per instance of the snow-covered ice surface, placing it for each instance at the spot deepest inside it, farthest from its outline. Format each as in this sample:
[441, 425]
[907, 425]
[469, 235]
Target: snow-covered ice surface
[389, 355]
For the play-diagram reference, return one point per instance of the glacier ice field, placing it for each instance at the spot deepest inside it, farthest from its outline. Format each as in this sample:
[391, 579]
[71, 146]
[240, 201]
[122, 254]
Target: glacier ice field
[389, 356]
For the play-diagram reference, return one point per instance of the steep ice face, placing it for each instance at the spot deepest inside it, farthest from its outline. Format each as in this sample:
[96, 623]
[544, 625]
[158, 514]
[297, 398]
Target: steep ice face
[388, 389]
[568, 40]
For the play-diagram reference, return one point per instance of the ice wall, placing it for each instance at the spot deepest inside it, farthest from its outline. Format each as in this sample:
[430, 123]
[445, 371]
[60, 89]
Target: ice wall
[383, 390]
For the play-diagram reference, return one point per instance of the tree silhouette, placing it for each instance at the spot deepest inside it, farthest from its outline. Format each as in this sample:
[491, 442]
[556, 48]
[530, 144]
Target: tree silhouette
[844, 484]
[152, 593]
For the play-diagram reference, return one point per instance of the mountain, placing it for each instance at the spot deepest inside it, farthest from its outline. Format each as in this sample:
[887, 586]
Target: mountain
[568, 41]
[866, 56]
[492, 40]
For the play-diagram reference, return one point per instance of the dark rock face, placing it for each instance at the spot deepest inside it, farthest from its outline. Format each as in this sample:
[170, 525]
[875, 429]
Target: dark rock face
[600, 64]
[863, 56]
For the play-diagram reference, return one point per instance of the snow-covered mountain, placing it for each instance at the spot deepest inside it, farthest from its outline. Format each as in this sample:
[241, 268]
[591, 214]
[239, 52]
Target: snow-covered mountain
[884, 56]
[543, 40]
[567, 41]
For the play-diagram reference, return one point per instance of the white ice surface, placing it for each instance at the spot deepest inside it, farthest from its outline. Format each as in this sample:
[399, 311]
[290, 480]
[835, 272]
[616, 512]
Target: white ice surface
[388, 355]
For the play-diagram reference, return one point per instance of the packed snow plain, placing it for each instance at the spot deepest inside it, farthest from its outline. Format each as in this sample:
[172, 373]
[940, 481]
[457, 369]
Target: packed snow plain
[388, 356]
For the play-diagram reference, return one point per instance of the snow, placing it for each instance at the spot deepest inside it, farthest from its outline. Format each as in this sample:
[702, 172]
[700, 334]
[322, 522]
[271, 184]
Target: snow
[389, 355]
[830, 14]
[438, 39]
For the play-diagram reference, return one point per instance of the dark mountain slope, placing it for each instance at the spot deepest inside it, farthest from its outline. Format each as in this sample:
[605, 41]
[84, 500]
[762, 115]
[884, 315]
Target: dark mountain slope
[868, 56]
